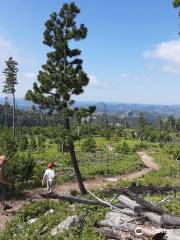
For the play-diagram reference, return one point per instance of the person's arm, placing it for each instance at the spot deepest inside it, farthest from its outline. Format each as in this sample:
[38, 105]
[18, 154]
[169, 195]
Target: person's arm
[2, 180]
[44, 177]
[54, 174]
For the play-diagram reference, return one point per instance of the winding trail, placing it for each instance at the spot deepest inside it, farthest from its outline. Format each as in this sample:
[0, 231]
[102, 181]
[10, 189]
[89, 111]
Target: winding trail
[97, 182]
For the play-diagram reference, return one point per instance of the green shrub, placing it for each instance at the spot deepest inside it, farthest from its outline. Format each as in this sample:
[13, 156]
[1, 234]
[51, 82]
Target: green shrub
[88, 145]
[18, 171]
[139, 146]
[107, 133]
[8, 146]
[40, 142]
[122, 148]
[173, 150]
[62, 145]
[22, 143]
[32, 143]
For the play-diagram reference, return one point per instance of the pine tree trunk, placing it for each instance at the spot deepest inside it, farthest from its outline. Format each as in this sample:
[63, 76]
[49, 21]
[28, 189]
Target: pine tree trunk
[78, 129]
[71, 144]
[74, 161]
[14, 105]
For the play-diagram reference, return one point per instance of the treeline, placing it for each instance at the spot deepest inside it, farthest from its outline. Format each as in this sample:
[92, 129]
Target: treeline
[30, 117]
[162, 130]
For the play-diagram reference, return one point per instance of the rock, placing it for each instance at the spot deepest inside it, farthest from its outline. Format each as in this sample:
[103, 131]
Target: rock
[65, 225]
[51, 211]
[72, 208]
[33, 220]
[111, 179]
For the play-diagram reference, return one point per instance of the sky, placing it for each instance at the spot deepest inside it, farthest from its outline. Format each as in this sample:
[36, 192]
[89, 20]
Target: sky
[131, 53]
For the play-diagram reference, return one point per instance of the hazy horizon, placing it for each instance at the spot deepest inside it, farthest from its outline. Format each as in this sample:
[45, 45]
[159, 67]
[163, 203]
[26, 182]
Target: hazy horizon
[99, 101]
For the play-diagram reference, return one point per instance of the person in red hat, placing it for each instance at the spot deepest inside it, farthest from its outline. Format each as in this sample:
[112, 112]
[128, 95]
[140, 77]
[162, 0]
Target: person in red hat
[2, 184]
[49, 176]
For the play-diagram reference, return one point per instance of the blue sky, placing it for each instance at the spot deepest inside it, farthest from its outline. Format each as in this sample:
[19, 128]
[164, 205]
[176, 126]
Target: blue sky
[131, 53]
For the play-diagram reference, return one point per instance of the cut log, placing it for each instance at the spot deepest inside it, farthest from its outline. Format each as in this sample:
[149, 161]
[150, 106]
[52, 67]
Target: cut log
[147, 206]
[124, 227]
[170, 221]
[153, 217]
[165, 220]
[131, 204]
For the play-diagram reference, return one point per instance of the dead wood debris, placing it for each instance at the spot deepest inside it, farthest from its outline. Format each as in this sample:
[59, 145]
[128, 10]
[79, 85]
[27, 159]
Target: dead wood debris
[133, 219]
[148, 221]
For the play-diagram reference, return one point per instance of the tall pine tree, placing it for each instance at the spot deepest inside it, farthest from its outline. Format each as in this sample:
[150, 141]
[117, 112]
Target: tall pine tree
[10, 73]
[62, 76]
[176, 3]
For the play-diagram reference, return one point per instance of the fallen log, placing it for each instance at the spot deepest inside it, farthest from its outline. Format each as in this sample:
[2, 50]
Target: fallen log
[164, 220]
[147, 206]
[118, 218]
[73, 199]
[170, 221]
[131, 204]
[124, 226]
[153, 217]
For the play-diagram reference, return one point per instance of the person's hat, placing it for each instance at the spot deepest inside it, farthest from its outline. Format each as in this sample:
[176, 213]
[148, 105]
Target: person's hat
[50, 165]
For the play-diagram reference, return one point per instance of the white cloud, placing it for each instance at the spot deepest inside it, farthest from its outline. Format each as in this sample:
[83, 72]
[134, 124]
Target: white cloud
[168, 51]
[29, 75]
[173, 69]
[94, 82]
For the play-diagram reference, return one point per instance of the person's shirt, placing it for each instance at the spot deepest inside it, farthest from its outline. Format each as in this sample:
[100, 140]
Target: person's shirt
[49, 175]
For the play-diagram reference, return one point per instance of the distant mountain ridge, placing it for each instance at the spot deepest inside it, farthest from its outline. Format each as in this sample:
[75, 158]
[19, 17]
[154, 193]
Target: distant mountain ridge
[114, 108]
[119, 108]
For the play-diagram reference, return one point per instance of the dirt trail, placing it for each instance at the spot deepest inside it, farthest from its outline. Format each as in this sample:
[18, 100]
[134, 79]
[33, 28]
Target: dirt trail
[97, 182]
